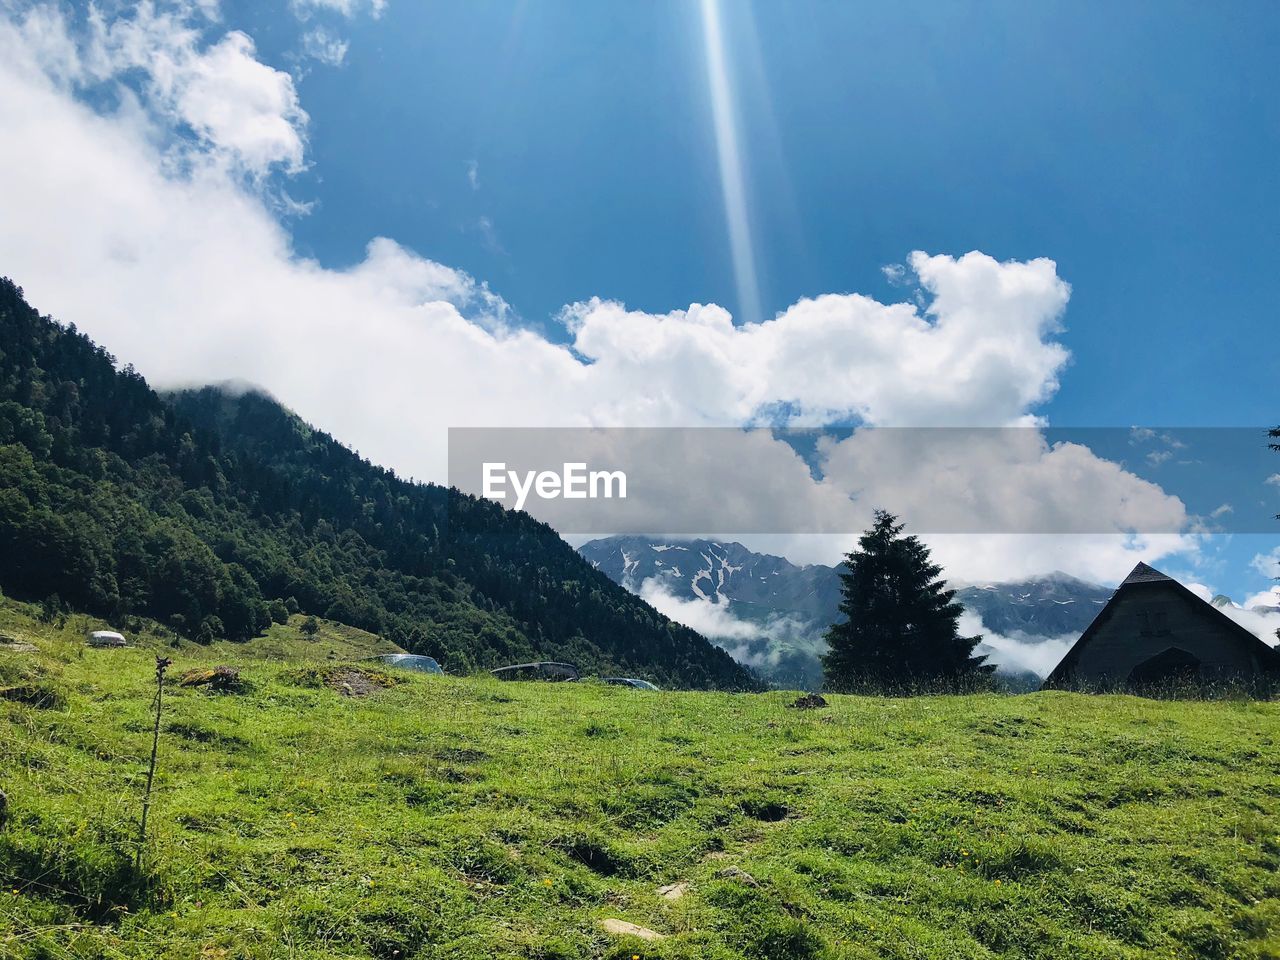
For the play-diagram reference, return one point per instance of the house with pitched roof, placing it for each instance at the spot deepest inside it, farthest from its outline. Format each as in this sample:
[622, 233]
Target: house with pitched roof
[1155, 633]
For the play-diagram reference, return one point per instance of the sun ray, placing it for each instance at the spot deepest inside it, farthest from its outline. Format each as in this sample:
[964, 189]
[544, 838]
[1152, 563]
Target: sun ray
[729, 154]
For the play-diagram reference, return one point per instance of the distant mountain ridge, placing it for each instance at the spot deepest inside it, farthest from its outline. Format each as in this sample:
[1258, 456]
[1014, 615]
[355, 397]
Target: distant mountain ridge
[760, 585]
[789, 605]
[793, 605]
[763, 589]
[1048, 606]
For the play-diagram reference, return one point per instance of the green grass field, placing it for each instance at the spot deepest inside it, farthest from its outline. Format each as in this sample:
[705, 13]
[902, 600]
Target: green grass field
[453, 818]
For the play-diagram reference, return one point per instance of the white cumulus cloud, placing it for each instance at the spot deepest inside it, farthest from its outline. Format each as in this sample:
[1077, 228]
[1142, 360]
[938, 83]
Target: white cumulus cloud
[244, 114]
[1267, 564]
[1263, 624]
[347, 8]
[242, 107]
[980, 354]
[1264, 598]
[324, 46]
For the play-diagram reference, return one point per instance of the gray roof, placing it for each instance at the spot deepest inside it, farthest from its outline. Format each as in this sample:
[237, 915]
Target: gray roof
[1144, 574]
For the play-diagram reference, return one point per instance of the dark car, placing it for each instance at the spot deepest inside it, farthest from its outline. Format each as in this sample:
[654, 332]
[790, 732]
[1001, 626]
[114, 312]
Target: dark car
[539, 670]
[633, 682]
[410, 661]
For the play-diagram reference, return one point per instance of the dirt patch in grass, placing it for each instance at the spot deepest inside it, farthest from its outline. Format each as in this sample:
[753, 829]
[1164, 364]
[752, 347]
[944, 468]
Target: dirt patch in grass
[354, 682]
[345, 679]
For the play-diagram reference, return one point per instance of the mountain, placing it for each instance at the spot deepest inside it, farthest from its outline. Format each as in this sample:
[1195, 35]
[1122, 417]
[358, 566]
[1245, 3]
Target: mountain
[1223, 602]
[775, 612]
[791, 606]
[1046, 606]
[761, 586]
[217, 511]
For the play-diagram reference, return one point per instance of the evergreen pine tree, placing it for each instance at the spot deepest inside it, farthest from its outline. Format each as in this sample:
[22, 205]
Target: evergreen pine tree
[900, 631]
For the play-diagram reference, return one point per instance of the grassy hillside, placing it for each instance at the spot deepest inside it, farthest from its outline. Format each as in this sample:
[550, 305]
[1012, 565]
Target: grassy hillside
[452, 818]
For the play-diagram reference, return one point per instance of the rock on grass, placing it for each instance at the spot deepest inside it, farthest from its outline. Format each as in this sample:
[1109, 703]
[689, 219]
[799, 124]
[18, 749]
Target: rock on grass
[222, 679]
[621, 928]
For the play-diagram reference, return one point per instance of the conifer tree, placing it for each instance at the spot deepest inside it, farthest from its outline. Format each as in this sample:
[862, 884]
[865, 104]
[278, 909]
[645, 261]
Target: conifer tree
[901, 628]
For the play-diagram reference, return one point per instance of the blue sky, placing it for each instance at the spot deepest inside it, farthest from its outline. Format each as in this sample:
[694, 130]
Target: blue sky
[423, 199]
[1135, 144]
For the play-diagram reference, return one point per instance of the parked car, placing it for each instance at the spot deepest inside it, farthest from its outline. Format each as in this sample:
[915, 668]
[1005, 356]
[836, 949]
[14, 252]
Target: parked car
[410, 661]
[633, 682]
[539, 670]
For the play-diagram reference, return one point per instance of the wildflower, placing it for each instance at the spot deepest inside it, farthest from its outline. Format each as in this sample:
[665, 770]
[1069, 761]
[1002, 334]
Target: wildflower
[997, 883]
[546, 882]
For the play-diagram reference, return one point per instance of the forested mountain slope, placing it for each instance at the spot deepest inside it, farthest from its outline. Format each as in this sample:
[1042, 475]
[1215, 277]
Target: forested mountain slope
[216, 512]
